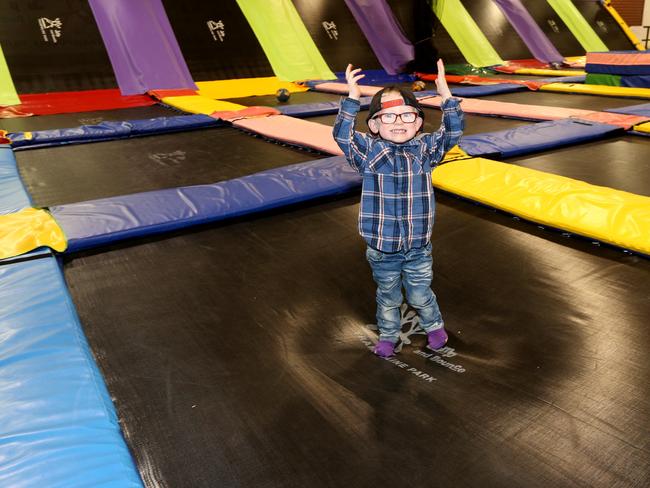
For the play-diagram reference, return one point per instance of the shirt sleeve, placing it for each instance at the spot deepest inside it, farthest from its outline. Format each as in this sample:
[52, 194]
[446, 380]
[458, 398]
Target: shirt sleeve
[451, 129]
[353, 144]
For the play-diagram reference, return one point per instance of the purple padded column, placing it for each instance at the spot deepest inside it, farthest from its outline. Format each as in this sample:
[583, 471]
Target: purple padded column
[529, 31]
[141, 45]
[376, 19]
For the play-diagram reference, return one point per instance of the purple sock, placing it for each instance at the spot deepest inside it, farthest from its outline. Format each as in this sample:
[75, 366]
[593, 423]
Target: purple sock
[437, 338]
[385, 349]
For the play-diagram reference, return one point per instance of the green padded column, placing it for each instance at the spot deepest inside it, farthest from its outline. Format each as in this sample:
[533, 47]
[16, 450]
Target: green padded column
[8, 95]
[463, 30]
[285, 40]
[602, 79]
[578, 26]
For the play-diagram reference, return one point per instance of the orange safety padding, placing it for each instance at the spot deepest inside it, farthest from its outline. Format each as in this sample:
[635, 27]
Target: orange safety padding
[294, 131]
[481, 80]
[620, 59]
[246, 113]
[342, 88]
[515, 110]
[622, 120]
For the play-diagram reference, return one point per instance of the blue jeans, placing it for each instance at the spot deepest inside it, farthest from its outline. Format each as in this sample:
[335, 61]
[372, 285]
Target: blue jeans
[414, 270]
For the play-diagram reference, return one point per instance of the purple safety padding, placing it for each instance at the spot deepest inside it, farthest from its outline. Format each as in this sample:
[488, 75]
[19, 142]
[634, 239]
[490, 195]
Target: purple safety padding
[643, 110]
[529, 31]
[535, 137]
[98, 222]
[378, 23]
[635, 81]
[141, 46]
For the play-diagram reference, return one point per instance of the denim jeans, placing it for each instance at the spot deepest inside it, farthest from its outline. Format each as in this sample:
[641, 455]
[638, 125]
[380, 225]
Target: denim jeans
[413, 270]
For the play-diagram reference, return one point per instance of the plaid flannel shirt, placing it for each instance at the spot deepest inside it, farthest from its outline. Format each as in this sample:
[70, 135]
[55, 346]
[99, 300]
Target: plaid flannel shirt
[397, 200]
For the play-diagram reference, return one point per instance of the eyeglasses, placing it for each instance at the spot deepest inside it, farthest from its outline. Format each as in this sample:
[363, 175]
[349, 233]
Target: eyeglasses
[390, 118]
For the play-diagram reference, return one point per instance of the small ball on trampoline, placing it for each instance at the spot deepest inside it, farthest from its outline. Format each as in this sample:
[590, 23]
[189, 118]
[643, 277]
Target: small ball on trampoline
[418, 86]
[282, 95]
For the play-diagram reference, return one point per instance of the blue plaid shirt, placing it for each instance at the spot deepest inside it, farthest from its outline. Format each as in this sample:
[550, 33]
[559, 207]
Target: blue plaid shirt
[397, 201]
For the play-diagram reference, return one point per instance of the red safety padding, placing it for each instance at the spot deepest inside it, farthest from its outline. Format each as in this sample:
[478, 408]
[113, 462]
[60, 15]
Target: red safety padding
[80, 101]
[515, 64]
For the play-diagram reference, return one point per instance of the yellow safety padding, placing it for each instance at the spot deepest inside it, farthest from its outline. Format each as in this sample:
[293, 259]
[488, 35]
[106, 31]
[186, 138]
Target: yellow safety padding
[24, 231]
[645, 127]
[611, 216]
[246, 87]
[612, 91]
[626, 28]
[455, 153]
[197, 104]
[548, 72]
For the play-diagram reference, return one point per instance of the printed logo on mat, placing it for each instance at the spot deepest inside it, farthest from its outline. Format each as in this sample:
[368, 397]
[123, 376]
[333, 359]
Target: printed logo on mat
[168, 159]
[330, 28]
[50, 29]
[217, 30]
[411, 327]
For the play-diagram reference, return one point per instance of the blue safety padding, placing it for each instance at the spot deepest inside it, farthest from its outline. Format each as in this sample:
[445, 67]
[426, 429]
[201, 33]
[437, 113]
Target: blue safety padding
[373, 77]
[100, 222]
[617, 69]
[484, 90]
[642, 109]
[535, 137]
[564, 79]
[313, 109]
[13, 196]
[636, 81]
[111, 130]
[58, 427]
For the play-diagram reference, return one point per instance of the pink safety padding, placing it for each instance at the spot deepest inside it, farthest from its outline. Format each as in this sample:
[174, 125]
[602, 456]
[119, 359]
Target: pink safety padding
[294, 131]
[620, 59]
[366, 91]
[514, 110]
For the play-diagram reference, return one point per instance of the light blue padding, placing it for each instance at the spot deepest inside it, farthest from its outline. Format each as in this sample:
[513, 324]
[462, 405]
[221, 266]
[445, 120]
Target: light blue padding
[13, 196]
[642, 110]
[99, 222]
[106, 131]
[58, 427]
[313, 109]
[535, 137]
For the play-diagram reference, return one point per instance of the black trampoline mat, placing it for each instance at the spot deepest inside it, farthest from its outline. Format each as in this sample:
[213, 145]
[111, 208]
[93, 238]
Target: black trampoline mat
[604, 25]
[474, 124]
[294, 99]
[336, 34]
[497, 30]
[554, 28]
[216, 40]
[75, 173]
[237, 355]
[65, 121]
[621, 163]
[54, 45]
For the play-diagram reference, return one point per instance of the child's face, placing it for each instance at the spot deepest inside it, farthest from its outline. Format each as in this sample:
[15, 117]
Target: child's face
[397, 131]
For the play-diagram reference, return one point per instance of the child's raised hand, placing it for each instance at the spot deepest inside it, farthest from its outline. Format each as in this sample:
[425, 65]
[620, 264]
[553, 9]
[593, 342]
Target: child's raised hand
[441, 82]
[352, 76]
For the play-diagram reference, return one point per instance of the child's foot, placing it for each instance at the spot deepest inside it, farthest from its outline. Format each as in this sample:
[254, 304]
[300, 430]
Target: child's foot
[384, 349]
[437, 338]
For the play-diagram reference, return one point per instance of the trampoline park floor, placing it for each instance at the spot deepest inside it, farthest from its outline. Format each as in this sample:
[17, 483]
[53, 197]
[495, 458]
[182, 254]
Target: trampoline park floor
[237, 354]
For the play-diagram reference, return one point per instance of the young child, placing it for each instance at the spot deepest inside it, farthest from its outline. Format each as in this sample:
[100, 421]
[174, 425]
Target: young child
[397, 201]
